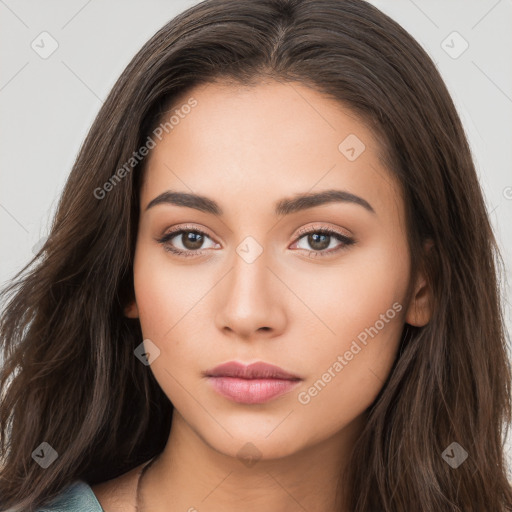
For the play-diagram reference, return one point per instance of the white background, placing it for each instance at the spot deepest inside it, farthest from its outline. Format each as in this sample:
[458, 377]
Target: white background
[47, 105]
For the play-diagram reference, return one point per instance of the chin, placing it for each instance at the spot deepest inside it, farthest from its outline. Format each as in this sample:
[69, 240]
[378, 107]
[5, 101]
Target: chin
[255, 443]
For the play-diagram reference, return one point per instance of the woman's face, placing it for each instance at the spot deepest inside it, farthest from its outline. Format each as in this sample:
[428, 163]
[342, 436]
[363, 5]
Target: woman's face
[263, 283]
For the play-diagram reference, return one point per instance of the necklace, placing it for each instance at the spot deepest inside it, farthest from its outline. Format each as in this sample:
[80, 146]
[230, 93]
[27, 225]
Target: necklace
[139, 482]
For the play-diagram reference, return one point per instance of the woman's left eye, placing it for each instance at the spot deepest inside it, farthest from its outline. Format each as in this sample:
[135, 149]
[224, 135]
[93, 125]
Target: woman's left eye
[319, 241]
[322, 240]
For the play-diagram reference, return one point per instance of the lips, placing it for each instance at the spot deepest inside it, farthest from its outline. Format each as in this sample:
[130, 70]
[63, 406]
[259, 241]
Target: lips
[251, 384]
[257, 370]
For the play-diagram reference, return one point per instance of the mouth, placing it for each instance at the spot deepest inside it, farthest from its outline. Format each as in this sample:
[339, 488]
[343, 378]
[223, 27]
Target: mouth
[251, 384]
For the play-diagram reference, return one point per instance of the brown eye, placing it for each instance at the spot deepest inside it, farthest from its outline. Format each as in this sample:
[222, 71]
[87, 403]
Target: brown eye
[192, 240]
[185, 242]
[318, 241]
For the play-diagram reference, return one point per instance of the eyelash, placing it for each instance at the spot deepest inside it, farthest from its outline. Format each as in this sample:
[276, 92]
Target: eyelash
[346, 241]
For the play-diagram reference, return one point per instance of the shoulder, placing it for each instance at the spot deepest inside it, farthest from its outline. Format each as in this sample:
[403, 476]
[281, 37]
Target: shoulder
[77, 497]
[116, 495]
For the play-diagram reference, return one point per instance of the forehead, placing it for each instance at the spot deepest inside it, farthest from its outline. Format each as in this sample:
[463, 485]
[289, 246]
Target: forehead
[245, 143]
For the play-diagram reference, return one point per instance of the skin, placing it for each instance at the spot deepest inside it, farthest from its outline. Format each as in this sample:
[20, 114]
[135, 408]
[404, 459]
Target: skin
[246, 148]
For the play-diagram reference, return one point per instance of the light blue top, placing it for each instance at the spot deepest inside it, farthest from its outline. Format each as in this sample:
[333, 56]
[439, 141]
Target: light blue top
[77, 497]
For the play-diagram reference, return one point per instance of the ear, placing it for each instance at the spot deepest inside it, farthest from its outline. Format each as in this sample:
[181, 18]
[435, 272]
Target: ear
[131, 310]
[419, 311]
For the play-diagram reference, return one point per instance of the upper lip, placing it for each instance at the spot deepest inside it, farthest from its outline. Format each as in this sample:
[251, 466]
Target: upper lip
[259, 370]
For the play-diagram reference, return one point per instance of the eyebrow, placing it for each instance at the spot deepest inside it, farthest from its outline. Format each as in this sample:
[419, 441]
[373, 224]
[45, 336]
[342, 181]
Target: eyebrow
[282, 207]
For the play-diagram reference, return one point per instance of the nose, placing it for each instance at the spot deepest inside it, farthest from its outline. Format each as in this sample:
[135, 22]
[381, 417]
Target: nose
[251, 301]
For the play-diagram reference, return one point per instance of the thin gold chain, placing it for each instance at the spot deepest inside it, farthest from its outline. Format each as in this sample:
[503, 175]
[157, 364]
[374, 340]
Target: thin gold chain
[139, 482]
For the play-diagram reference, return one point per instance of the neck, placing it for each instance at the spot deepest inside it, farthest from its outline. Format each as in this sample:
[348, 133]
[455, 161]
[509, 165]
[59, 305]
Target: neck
[192, 475]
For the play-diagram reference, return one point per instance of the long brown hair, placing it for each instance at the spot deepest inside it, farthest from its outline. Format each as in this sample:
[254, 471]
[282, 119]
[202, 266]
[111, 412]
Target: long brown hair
[70, 377]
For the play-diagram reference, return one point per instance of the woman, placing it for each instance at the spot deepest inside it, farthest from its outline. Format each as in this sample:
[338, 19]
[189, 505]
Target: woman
[271, 283]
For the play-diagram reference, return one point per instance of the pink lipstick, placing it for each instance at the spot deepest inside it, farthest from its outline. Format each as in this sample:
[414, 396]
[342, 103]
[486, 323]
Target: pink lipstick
[251, 384]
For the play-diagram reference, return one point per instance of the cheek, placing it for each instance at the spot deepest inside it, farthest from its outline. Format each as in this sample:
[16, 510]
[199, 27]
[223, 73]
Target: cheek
[164, 293]
[351, 296]
[166, 299]
[171, 301]
[362, 304]
[156, 298]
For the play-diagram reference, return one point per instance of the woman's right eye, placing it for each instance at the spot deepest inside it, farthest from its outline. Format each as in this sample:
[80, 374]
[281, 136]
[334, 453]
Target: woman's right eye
[191, 241]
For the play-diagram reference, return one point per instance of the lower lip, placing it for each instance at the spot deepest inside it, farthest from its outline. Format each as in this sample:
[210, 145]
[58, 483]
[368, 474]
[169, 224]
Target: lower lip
[251, 391]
